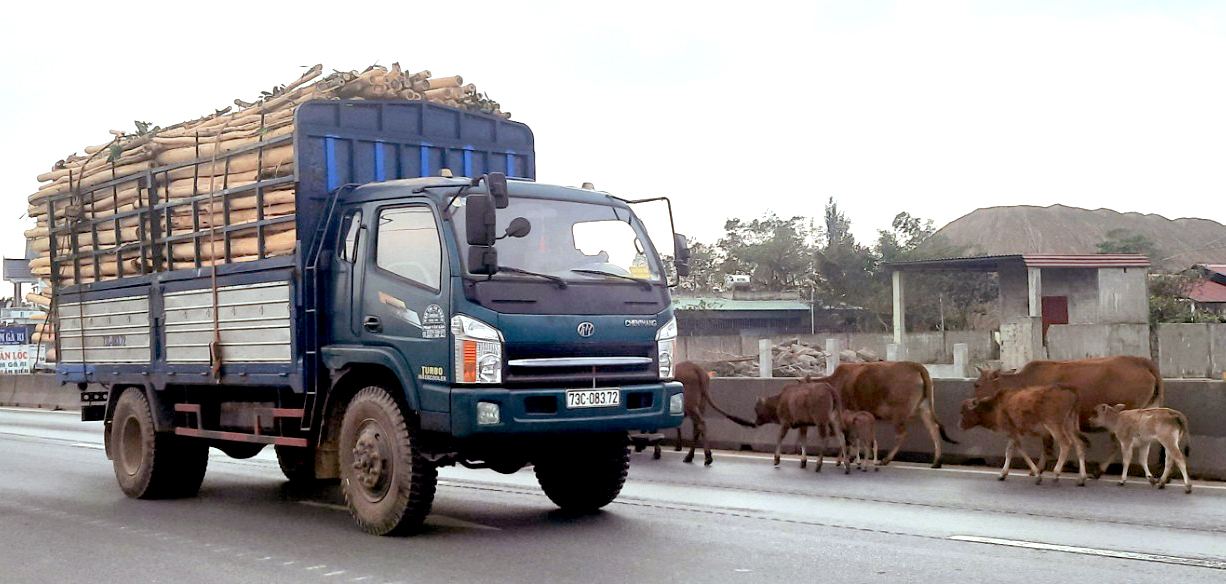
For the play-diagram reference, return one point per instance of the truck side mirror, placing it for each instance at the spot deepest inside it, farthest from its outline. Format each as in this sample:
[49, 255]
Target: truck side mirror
[482, 260]
[496, 185]
[682, 249]
[480, 220]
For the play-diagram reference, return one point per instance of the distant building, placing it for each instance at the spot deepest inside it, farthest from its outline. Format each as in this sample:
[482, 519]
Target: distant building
[1209, 293]
[717, 316]
[1054, 306]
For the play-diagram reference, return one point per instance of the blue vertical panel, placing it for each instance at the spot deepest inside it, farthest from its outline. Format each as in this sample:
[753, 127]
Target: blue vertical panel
[468, 161]
[380, 170]
[510, 164]
[425, 160]
[333, 180]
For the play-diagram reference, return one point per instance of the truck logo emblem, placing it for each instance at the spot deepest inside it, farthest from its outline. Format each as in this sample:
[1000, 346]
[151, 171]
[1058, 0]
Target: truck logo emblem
[586, 329]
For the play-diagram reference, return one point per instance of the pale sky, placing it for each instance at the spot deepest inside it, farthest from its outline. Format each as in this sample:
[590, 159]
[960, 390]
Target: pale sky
[732, 110]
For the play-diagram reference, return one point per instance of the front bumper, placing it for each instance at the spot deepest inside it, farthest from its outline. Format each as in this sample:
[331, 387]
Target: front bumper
[544, 411]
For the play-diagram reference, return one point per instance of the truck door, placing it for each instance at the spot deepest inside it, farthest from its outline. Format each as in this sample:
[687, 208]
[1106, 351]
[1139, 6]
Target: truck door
[403, 300]
[346, 289]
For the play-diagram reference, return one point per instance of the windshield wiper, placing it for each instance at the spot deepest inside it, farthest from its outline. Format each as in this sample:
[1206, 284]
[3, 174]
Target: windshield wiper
[645, 283]
[559, 281]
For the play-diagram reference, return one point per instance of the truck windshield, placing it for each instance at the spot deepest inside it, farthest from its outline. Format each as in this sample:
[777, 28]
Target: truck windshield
[570, 240]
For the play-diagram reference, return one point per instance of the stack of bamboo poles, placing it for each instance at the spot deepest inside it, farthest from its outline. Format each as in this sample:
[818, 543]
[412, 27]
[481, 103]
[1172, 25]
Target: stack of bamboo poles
[227, 150]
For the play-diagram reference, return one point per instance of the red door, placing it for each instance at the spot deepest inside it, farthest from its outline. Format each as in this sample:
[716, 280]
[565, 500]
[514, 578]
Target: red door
[1055, 311]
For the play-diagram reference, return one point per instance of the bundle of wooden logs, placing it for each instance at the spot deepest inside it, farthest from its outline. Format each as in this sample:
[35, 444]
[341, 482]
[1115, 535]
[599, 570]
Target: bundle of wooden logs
[245, 144]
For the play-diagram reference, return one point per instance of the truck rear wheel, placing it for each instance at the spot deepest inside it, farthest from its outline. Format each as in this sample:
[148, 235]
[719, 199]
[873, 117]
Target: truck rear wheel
[149, 464]
[388, 484]
[585, 473]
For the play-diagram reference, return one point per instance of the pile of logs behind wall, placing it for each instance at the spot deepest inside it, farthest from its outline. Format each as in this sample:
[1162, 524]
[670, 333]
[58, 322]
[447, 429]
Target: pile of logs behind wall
[224, 185]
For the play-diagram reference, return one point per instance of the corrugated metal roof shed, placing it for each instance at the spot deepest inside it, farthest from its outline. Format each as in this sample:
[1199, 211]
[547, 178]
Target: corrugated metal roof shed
[993, 263]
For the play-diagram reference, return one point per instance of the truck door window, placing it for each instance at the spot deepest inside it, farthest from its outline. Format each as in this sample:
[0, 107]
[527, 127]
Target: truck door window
[407, 244]
[350, 226]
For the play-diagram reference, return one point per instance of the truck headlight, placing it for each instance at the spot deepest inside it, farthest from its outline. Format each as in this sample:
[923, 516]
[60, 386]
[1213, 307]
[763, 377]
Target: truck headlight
[478, 350]
[666, 344]
[676, 404]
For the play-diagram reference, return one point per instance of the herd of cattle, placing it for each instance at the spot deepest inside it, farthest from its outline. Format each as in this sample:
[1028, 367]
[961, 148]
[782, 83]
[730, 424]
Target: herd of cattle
[1057, 400]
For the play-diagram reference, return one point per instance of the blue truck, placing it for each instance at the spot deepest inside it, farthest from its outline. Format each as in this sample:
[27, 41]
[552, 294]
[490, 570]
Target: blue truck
[419, 320]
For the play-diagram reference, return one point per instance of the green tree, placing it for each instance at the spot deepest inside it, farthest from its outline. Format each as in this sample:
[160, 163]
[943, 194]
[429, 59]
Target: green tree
[1125, 241]
[1169, 302]
[705, 275]
[844, 271]
[952, 298]
[774, 252]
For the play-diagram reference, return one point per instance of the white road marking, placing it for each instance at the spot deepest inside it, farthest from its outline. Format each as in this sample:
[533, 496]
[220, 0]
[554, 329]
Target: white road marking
[1197, 562]
[435, 520]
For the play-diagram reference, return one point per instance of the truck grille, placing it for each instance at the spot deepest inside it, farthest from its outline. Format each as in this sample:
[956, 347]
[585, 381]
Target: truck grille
[585, 366]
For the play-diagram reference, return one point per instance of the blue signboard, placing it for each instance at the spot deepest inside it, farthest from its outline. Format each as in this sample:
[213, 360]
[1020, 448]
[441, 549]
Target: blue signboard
[16, 335]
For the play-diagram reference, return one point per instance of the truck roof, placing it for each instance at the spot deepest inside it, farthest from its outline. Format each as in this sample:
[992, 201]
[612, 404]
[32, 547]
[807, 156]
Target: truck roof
[517, 188]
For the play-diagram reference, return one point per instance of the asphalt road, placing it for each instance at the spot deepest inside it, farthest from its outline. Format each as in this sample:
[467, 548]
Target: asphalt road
[63, 519]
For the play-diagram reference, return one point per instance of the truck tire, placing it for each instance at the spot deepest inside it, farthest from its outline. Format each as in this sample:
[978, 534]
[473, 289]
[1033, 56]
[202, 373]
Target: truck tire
[297, 463]
[388, 484]
[148, 464]
[585, 474]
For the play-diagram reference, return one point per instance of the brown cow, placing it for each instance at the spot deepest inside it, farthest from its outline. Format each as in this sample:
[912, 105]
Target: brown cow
[860, 429]
[801, 405]
[1132, 381]
[1144, 427]
[697, 384]
[893, 391]
[1029, 411]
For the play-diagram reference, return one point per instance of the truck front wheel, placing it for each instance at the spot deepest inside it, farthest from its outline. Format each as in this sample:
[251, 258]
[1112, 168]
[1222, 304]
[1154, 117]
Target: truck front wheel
[584, 474]
[148, 464]
[388, 484]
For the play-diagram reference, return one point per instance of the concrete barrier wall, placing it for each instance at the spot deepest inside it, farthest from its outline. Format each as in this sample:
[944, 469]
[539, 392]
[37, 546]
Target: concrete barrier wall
[38, 391]
[929, 347]
[1203, 401]
[1192, 350]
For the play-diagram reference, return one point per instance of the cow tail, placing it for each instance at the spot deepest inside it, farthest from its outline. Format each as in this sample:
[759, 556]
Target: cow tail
[1187, 434]
[930, 395]
[704, 384]
[1159, 396]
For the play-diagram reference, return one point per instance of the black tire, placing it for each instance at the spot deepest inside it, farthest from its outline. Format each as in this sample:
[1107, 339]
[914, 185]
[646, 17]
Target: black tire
[297, 463]
[585, 473]
[153, 465]
[388, 484]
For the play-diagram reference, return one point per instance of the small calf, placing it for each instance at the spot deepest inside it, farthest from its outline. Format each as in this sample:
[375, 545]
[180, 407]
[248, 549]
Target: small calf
[860, 428]
[1029, 411]
[1142, 428]
[801, 405]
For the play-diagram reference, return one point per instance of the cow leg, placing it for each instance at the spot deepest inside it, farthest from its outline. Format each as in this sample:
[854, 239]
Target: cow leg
[1062, 442]
[1004, 472]
[1116, 449]
[1167, 467]
[1126, 452]
[934, 430]
[1177, 454]
[1075, 438]
[1145, 464]
[874, 441]
[677, 447]
[1038, 472]
[693, 443]
[804, 456]
[783, 432]
[900, 432]
[700, 427]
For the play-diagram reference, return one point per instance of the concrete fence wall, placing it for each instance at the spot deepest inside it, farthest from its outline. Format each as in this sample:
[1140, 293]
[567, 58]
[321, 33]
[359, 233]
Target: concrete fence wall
[1203, 401]
[930, 347]
[1192, 350]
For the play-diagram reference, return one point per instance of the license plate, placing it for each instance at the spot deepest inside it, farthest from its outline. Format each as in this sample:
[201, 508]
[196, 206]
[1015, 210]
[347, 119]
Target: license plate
[592, 398]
